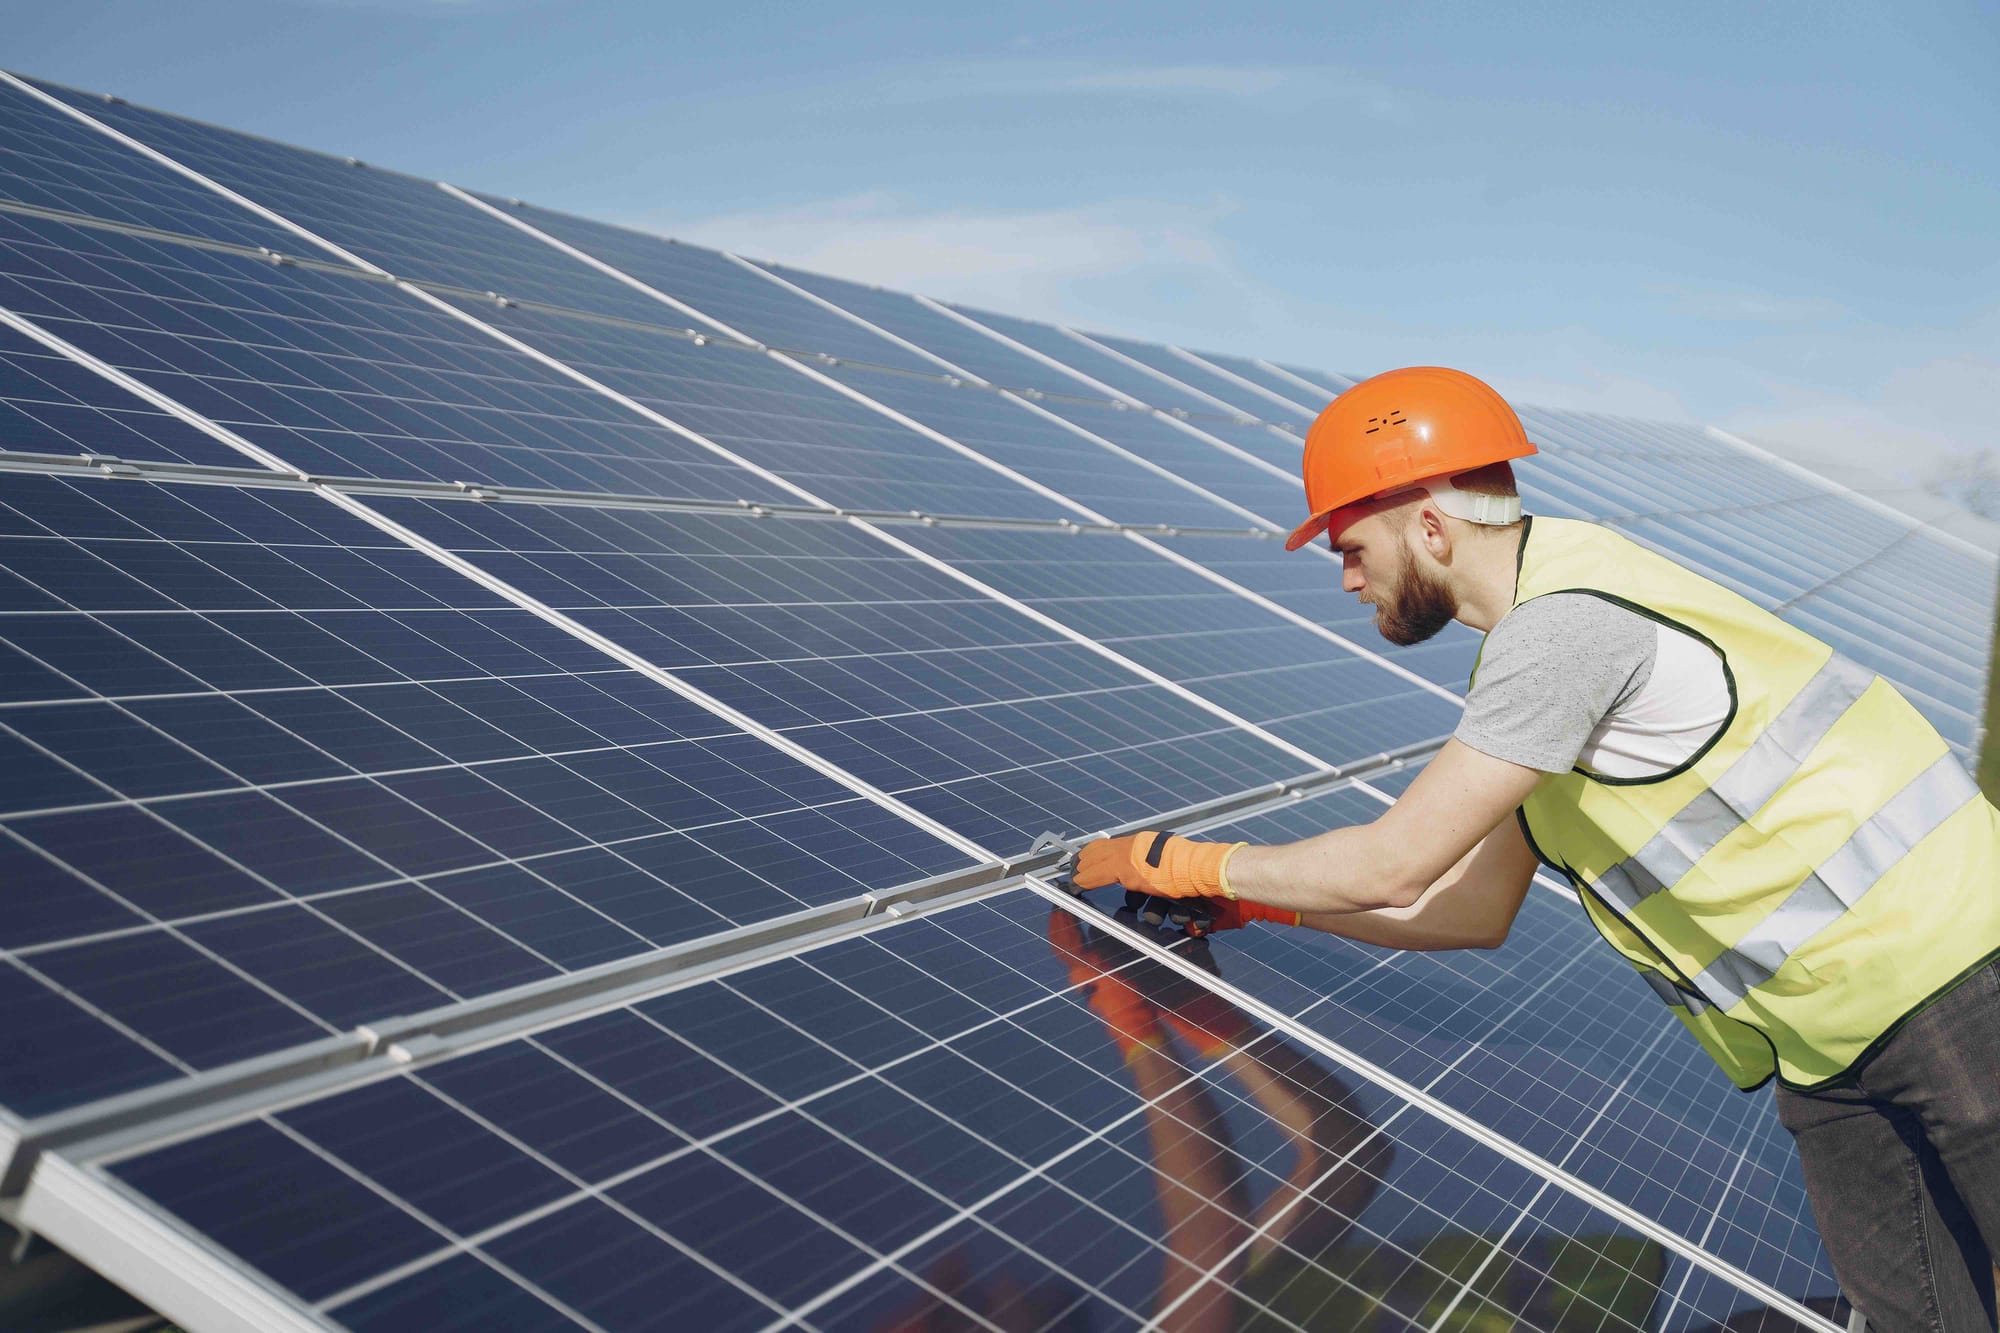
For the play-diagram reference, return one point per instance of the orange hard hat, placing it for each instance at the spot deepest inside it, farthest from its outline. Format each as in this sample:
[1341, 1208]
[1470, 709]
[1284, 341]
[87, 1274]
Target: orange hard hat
[1397, 430]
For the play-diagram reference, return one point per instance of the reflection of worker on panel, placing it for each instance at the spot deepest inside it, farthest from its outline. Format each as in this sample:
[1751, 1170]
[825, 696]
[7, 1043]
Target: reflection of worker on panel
[1301, 1256]
[1772, 835]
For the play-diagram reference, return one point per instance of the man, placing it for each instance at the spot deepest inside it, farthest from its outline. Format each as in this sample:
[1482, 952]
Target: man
[1779, 843]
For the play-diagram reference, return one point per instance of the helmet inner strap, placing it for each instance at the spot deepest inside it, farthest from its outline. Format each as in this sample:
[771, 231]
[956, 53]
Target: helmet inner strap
[1488, 510]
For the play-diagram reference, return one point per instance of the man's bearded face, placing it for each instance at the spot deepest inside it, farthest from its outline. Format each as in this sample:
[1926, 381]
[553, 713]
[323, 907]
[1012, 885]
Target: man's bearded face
[1413, 603]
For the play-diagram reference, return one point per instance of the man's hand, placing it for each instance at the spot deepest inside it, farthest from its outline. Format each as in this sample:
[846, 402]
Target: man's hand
[1158, 863]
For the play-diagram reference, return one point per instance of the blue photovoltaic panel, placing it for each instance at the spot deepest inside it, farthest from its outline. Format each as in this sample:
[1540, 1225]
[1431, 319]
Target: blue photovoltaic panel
[998, 1113]
[1277, 497]
[339, 375]
[1099, 365]
[266, 773]
[1230, 395]
[1306, 582]
[1553, 1042]
[1307, 397]
[1282, 451]
[974, 714]
[1312, 692]
[403, 224]
[1045, 452]
[972, 351]
[50, 404]
[843, 452]
[722, 289]
[51, 160]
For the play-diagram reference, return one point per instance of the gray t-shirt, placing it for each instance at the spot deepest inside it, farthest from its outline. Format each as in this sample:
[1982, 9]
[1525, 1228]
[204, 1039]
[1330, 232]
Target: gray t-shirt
[1551, 672]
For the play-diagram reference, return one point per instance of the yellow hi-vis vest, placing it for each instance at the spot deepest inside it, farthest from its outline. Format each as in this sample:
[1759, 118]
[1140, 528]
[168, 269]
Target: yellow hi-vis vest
[1814, 875]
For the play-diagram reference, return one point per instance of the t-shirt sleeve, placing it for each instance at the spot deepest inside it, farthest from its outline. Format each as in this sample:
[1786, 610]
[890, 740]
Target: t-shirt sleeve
[1549, 673]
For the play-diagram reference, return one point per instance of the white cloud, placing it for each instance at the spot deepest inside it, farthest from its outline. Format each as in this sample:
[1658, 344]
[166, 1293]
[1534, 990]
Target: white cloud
[1034, 262]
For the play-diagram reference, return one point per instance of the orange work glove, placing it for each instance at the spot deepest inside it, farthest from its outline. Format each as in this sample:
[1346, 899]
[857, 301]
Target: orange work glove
[1156, 862]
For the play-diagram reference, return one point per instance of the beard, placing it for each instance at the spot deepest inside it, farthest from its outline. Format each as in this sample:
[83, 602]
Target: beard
[1421, 605]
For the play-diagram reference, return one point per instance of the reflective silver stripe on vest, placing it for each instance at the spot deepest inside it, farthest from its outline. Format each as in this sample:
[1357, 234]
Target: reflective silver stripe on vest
[1742, 790]
[1669, 990]
[1841, 881]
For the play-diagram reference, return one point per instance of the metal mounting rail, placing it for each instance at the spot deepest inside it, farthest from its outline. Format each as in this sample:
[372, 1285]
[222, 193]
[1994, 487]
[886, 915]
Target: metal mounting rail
[99, 466]
[320, 1067]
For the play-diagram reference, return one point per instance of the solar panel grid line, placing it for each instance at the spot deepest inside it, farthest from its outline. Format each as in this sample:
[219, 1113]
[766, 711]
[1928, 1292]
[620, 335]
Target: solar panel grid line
[141, 390]
[661, 419]
[1444, 1316]
[974, 454]
[1267, 604]
[413, 289]
[608, 270]
[1292, 617]
[1299, 380]
[961, 372]
[1846, 571]
[22, 957]
[1094, 1135]
[1256, 519]
[573, 994]
[1407, 1107]
[1195, 358]
[151, 1256]
[1465, 1124]
[146, 233]
[146, 469]
[764, 271]
[708, 1142]
[777, 1110]
[1224, 409]
[154, 155]
[1828, 484]
[639, 663]
[1099, 387]
[1171, 418]
[1708, 1229]
[479, 576]
[1190, 427]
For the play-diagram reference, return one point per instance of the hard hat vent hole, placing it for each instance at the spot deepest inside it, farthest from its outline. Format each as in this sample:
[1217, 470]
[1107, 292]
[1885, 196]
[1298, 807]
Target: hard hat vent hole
[1393, 417]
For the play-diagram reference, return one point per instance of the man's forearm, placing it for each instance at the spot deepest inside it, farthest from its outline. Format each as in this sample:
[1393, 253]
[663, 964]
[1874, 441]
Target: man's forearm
[1342, 871]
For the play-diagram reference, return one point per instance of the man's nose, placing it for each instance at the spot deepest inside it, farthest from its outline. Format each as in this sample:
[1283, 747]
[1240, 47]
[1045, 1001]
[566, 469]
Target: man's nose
[1350, 573]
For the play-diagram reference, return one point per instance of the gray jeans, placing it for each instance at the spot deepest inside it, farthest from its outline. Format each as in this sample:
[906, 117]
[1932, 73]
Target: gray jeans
[1903, 1167]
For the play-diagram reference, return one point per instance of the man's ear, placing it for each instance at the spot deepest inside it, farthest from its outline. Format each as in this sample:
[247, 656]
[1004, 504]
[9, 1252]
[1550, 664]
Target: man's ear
[1433, 532]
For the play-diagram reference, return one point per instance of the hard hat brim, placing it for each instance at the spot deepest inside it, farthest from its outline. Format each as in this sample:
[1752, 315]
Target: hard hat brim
[1308, 530]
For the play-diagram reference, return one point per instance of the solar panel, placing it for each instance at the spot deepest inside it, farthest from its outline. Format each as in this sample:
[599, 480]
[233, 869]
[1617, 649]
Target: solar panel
[270, 774]
[1104, 367]
[54, 161]
[1228, 396]
[957, 704]
[994, 1112]
[516, 781]
[1306, 391]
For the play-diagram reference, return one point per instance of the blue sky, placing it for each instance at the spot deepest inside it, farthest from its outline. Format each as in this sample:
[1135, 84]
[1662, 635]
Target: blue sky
[1781, 219]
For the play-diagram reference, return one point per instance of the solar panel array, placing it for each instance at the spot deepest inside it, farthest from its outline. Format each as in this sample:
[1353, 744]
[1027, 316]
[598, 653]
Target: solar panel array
[521, 749]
